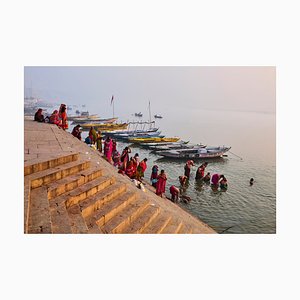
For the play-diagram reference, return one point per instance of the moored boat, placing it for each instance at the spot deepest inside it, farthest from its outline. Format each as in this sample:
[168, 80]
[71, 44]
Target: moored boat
[172, 146]
[93, 120]
[153, 140]
[158, 116]
[104, 126]
[207, 152]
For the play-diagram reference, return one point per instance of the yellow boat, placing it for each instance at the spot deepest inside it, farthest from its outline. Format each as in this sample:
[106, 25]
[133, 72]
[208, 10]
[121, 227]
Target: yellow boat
[153, 140]
[104, 126]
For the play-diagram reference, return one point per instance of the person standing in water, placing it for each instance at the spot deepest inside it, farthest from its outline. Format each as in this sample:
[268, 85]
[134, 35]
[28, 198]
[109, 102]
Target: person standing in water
[187, 168]
[200, 171]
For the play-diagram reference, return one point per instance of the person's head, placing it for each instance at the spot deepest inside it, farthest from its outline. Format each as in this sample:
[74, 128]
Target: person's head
[162, 172]
[205, 164]
[40, 111]
[77, 126]
[145, 159]
[251, 181]
[126, 148]
[99, 132]
[63, 107]
[55, 112]
[208, 174]
[136, 155]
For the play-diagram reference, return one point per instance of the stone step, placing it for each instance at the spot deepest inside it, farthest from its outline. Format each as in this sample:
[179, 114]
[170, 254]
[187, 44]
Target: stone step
[91, 205]
[50, 175]
[125, 217]
[158, 224]
[60, 218]
[39, 165]
[173, 227]
[184, 229]
[69, 183]
[77, 222]
[112, 208]
[39, 215]
[146, 217]
[109, 209]
[87, 190]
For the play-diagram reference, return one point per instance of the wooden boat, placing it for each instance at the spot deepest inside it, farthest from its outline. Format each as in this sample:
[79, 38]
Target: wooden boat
[93, 120]
[82, 116]
[172, 146]
[207, 152]
[104, 126]
[153, 140]
[145, 134]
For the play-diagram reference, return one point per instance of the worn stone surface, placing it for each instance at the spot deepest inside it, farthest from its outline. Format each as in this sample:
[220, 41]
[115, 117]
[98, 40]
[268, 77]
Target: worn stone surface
[70, 204]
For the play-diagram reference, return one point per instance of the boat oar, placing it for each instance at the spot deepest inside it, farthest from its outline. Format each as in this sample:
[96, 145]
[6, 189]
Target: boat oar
[235, 154]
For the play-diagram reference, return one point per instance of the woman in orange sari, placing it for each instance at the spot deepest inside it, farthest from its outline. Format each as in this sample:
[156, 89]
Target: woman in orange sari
[63, 117]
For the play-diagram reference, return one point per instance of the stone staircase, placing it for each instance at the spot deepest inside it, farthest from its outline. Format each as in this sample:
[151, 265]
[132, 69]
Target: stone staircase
[68, 194]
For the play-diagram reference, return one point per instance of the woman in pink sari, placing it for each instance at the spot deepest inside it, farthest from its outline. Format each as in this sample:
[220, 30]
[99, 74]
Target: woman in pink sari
[108, 148]
[161, 183]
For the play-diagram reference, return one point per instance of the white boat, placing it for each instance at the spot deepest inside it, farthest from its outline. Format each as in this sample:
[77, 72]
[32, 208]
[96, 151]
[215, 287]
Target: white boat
[207, 152]
[172, 146]
[158, 116]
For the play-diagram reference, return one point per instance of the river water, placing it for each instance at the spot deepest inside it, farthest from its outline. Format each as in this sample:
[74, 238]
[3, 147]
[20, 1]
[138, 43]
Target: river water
[242, 208]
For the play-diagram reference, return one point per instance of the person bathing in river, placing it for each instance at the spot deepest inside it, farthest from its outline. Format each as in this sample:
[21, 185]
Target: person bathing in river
[182, 180]
[200, 171]
[206, 178]
[187, 168]
[174, 191]
[223, 183]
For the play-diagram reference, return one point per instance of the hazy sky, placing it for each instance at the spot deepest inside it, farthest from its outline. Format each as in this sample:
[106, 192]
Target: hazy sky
[231, 88]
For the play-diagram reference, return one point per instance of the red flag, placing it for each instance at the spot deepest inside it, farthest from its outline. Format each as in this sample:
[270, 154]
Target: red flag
[112, 99]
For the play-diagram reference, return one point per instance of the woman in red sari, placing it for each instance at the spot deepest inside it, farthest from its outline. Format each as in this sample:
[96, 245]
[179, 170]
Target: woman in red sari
[54, 119]
[108, 149]
[161, 183]
[125, 157]
[130, 169]
[141, 169]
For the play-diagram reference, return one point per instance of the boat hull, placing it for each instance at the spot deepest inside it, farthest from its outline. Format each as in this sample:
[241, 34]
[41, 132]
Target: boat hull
[203, 153]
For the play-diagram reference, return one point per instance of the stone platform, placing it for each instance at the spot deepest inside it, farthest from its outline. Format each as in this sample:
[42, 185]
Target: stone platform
[71, 188]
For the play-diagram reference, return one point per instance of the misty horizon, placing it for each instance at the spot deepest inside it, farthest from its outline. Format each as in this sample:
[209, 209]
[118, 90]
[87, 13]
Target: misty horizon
[251, 89]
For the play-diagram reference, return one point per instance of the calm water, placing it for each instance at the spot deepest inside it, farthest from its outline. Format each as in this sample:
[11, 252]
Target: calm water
[243, 208]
